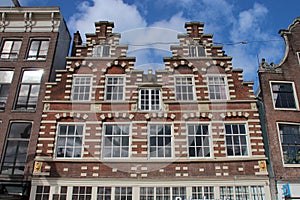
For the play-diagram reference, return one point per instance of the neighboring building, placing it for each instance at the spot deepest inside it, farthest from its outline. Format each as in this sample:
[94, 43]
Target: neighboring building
[29, 41]
[110, 131]
[280, 93]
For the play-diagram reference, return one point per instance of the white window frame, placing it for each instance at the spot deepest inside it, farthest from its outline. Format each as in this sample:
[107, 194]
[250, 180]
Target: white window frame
[180, 98]
[112, 85]
[82, 86]
[149, 102]
[294, 94]
[281, 147]
[39, 55]
[208, 136]
[298, 56]
[101, 51]
[195, 52]
[157, 147]
[239, 145]
[13, 53]
[57, 137]
[120, 146]
[218, 85]
[29, 85]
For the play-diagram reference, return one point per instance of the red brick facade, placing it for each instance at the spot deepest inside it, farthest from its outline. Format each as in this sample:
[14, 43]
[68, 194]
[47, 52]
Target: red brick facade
[282, 116]
[185, 100]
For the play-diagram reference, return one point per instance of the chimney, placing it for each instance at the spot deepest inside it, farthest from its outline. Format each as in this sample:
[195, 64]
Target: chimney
[76, 41]
[16, 3]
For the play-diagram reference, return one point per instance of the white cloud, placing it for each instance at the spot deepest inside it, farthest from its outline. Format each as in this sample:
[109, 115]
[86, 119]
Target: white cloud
[123, 15]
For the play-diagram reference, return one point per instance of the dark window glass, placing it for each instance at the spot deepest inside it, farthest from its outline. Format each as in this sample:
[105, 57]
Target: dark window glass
[14, 159]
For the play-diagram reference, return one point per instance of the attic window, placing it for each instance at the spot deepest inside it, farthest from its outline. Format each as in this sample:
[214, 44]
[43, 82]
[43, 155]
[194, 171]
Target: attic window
[101, 51]
[196, 51]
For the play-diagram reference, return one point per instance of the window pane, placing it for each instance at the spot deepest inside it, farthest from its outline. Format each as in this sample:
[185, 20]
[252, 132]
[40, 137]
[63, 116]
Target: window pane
[69, 141]
[16, 148]
[116, 141]
[283, 95]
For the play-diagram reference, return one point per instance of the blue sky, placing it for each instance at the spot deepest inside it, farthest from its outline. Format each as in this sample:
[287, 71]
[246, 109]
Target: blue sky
[143, 22]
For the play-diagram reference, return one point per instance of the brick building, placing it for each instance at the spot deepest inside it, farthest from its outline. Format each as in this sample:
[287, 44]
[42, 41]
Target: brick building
[29, 39]
[280, 93]
[189, 131]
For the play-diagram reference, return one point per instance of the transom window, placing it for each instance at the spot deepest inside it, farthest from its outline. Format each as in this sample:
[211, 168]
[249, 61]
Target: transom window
[11, 49]
[283, 95]
[150, 99]
[198, 140]
[38, 49]
[5, 81]
[203, 192]
[42, 192]
[82, 193]
[217, 88]
[115, 88]
[160, 137]
[236, 140]
[184, 88]
[101, 51]
[104, 193]
[242, 192]
[196, 51]
[69, 141]
[157, 193]
[123, 193]
[15, 155]
[29, 89]
[81, 89]
[116, 141]
[290, 143]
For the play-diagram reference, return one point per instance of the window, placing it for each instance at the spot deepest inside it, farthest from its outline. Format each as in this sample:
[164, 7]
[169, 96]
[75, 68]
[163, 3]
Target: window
[69, 141]
[290, 143]
[62, 195]
[162, 193]
[196, 51]
[82, 193]
[217, 88]
[116, 141]
[101, 51]
[11, 49]
[198, 141]
[123, 193]
[236, 140]
[5, 81]
[29, 89]
[104, 193]
[298, 55]
[160, 137]
[42, 192]
[14, 158]
[81, 89]
[150, 99]
[184, 88]
[38, 49]
[283, 95]
[203, 192]
[242, 192]
[115, 88]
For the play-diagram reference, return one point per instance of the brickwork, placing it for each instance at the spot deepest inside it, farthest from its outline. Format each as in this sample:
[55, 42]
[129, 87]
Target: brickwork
[287, 71]
[239, 108]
